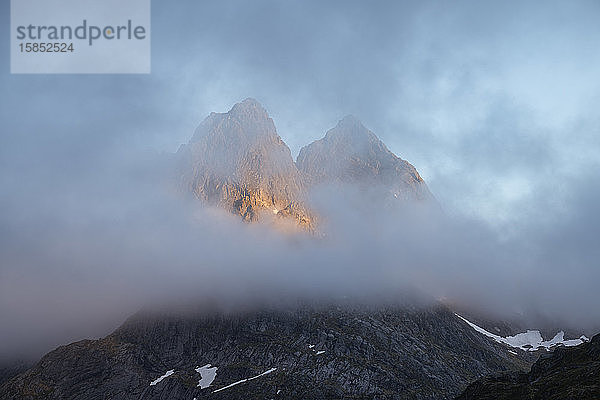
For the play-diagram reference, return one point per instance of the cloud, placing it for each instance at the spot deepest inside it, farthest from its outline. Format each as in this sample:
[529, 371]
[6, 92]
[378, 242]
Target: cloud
[79, 259]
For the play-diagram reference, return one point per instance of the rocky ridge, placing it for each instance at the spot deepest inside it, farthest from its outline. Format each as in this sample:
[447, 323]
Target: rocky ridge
[351, 154]
[236, 160]
[310, 352]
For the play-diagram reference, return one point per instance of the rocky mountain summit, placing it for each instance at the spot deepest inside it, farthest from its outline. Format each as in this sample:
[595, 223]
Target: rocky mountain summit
[351, 154]
[236, 160]
[566, 373]
[310, 352]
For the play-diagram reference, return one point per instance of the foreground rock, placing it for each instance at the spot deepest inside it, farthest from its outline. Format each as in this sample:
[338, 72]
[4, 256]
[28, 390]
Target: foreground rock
[567, 373]
[308, 353]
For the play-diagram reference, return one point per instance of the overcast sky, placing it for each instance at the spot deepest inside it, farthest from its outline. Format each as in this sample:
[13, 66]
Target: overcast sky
[494, 102]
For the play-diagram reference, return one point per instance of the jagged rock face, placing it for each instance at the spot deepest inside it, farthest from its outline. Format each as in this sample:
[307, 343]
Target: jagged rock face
[333, 352]
[238, 161]
[350, 153]
[566, 373]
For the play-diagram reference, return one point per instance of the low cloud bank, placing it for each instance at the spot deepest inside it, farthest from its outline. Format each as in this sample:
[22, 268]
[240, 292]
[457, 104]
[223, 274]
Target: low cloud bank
[79, 255]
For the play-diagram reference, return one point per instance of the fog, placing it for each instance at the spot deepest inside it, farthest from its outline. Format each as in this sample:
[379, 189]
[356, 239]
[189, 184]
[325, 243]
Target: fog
[77, 261]
[494, 104]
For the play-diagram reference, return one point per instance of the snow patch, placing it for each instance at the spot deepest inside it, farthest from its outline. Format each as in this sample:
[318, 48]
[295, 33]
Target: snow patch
[528, 341]
[207, 375]
[246, 380]
[312, 347]
[159, 379]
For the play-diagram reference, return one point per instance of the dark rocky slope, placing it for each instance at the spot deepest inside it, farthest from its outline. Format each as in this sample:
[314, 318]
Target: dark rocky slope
[10, 368]
[359, 352]
[565, 374]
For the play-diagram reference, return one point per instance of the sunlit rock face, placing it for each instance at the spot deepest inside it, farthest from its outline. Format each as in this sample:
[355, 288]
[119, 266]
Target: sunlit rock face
[237, 160]
[351, 154]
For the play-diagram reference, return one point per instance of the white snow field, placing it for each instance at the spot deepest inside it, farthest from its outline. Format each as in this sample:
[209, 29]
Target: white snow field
[207, 375]
[530, 340]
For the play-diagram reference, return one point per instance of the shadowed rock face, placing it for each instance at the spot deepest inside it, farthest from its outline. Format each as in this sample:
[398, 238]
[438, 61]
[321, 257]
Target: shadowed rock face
[237, 160]
[386, 352]
[350, 153]
[566, 374]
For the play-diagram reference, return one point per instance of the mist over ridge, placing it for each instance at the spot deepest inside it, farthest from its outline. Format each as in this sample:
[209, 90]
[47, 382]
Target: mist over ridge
[92, 252]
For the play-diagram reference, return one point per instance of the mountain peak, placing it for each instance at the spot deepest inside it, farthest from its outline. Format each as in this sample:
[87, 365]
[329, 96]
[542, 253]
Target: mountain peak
[249, 107]
[238, 161]
[350, 120]
[351, 131]
[351, 153]
[245, 122]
